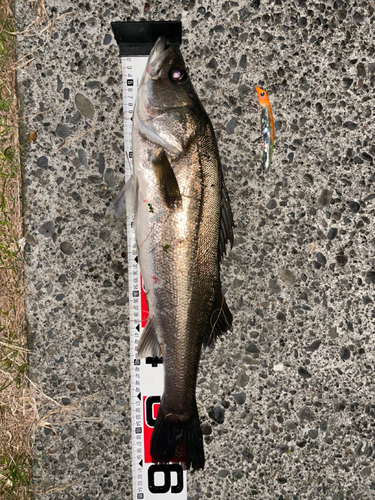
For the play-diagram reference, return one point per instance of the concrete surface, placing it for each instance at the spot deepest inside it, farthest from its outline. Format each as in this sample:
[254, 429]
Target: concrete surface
[287, 399]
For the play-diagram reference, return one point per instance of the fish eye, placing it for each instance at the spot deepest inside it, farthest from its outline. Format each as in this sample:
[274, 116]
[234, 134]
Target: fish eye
[262, 94]
[177, 74]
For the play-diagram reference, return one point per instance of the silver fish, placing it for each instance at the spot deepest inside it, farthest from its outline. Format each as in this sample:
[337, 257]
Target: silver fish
[183, 222]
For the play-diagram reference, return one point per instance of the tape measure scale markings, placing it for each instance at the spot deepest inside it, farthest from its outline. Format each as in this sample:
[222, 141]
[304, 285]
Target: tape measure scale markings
[150, 481]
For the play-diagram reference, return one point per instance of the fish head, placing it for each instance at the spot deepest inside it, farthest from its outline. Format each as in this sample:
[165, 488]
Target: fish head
[166, 99]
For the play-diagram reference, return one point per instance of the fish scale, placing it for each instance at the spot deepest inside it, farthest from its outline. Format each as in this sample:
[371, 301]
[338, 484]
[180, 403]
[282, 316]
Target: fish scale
[178, 172]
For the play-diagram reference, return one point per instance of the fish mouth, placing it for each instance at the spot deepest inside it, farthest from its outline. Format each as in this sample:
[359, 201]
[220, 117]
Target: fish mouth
[158, 56]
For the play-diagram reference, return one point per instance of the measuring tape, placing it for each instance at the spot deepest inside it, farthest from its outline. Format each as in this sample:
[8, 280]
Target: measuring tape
[150, 481]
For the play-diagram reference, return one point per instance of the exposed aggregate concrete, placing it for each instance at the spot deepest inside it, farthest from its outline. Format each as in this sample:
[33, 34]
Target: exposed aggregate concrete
[287, 398]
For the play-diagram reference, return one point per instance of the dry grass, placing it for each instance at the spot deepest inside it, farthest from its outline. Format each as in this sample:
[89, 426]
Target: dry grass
[23, 406]
[17, 410]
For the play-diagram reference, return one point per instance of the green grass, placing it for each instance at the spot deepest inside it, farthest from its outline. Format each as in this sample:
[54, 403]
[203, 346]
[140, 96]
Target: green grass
[13, 472]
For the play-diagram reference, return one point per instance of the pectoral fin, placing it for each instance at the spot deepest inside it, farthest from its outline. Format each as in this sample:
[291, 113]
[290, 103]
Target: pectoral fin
[125, 199]
[167, 181]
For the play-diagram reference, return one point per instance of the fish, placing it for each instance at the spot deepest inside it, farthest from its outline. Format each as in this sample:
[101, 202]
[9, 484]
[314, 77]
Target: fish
[183, 223]
[267, 126]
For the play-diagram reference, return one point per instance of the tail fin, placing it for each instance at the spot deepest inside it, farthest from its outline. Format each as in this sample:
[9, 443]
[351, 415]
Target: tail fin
[177, 436]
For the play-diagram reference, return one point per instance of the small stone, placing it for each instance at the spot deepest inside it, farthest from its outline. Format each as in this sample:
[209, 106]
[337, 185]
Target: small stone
[320, 258]
[231, 125]
[370, 277]
[71, 386]
[47, 229]
[301, 443]
[66, 94]
[85, 106]
[367, 157]
[313, 433]
[109, 177]
[302, 372]
[107, 283]
[63, 131]
[243, 61]
[357, 17]
[83, 159]
[212, 64]
[339, 406]
[243, 90]
[314, 346]
[366, 300]
[341, 259]
[366, 472]
[242, 379]
[282, 480]
[271, 204]
[244, 13]
[42, 162]
[66, 401]
[66, 248]
[306, 414]
[332, 233]
[217, 414]
[252, 347]
[62, 278]
[223, 473]
[237, 474]
[101, 163]
[290, 425]
[286, 276]
[104, 235]
[361, 71]
[281, 316]
[107, 39]
[206, 429]
[60, 297]
[240, 398]
[76, 196]
[325, 198]
[354, 206]
[350, 125]
[344, 353]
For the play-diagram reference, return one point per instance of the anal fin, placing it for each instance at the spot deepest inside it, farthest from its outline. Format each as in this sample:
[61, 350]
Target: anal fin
[148, 343]
[220, 320]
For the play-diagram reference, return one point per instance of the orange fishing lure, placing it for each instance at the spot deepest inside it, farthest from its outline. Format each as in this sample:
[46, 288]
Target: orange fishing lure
[268, 132]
